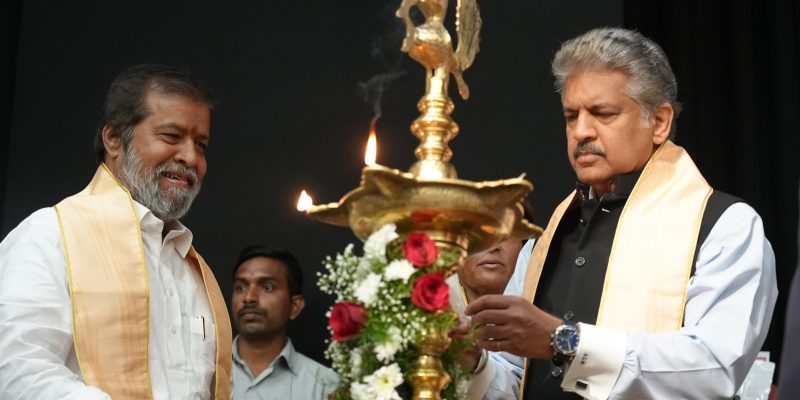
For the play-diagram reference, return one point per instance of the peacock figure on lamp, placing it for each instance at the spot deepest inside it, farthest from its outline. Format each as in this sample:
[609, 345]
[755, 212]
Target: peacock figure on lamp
[391, 319]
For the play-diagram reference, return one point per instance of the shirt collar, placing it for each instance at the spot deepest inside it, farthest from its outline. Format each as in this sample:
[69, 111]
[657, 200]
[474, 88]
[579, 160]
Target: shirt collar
[624, 185]
[178, 232]
[288, 354]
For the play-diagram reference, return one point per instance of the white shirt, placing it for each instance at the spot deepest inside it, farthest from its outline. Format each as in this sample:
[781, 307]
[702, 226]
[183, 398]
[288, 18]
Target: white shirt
[729, 304]
[37, 356]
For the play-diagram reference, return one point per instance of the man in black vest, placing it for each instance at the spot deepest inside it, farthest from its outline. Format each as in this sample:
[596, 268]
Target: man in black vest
[646, 283]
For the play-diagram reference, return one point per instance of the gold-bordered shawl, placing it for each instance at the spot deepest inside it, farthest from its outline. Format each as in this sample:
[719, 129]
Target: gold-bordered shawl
[109, 289]
[653, 249]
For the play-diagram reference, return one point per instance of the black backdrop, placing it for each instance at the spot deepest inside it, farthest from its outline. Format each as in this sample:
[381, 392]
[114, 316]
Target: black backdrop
[290, 116]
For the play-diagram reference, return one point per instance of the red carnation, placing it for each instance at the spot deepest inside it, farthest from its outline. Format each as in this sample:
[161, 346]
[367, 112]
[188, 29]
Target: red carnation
[420, 249]
[430, 292]
[346, 320]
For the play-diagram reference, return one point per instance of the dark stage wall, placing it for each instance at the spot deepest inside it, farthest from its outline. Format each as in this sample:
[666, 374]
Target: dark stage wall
[290, 116]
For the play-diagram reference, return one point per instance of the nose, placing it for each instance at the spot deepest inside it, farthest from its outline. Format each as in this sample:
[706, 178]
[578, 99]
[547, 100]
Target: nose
[251, 294]
[187, 154]
[583, 128]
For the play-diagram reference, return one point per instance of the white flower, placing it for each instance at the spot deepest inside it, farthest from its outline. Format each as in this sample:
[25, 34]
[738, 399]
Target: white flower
[462, 387]
[383, 381]
[367, 290]
[375, 246]
[399, 269]
[355, 362]
[364, 267]
[361, 391]
[385, 351]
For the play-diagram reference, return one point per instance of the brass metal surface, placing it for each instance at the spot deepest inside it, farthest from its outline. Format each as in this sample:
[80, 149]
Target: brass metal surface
[478, 214]
[429, 376]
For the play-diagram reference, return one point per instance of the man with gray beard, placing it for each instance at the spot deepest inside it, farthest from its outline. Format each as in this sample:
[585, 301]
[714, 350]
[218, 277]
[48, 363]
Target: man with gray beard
[103, 296]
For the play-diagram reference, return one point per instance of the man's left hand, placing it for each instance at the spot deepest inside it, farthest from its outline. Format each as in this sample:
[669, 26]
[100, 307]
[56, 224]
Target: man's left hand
[513, 325]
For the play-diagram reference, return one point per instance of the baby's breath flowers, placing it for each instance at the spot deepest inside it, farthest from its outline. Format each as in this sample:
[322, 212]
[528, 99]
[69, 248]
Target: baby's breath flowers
[384, 299]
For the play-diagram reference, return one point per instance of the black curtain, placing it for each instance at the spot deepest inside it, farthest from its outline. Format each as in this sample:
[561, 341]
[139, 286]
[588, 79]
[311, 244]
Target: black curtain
[737, 68]
[9, 38]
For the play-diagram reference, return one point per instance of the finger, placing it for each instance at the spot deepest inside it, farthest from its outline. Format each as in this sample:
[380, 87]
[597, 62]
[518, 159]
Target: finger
[460, 333]
[461, 329]
[493, 345]
[489, 332]
[494, 317]
[487, 302]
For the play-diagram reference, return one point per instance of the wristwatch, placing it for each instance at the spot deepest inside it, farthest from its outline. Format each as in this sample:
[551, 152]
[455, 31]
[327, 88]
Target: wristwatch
[565, 339]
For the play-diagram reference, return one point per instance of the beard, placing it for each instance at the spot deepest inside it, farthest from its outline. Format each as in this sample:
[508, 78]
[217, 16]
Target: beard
[143, 182]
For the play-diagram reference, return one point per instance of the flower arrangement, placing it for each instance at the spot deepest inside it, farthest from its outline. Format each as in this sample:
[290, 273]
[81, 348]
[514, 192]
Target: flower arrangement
[384, 299]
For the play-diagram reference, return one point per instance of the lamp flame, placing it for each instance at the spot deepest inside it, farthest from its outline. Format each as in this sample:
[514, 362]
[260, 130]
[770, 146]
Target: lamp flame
[371, 154]
[304, 202]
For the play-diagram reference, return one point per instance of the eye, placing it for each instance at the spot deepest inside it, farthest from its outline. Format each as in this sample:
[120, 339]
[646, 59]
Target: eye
[238, 288]
[605, 115]
[201, 146]
[268, 287]
[170, 137]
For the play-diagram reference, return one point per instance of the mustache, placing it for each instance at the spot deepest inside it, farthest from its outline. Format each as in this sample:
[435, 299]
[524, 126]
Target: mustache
[175, 168]
[587, 148]
[250, 309]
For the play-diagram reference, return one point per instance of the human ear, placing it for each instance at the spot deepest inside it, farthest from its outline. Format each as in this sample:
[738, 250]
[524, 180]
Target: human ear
[112, 143]
[298, 303]
[662, 123]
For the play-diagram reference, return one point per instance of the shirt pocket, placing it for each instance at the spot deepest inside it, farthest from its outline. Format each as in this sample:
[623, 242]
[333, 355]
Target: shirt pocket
[203, 339]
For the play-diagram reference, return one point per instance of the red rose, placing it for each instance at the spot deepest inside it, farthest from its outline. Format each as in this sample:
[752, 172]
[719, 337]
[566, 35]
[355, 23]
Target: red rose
[346, 320]
[420, 249]
[430, 292]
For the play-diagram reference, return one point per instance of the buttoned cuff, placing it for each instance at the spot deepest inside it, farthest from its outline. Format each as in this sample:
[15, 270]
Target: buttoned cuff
[598, 361]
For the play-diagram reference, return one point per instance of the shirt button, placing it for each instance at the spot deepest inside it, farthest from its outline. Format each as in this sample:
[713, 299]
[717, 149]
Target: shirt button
[580, 261]
[174, 330]
[171, 292]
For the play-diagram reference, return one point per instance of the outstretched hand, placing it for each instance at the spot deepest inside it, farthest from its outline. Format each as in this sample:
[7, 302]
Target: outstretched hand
[513, 325]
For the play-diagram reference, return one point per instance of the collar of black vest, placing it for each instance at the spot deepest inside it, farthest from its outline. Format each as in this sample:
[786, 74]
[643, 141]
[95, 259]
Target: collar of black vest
[624, 185]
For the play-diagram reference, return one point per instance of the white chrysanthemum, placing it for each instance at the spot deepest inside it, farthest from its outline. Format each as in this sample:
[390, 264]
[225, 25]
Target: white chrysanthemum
[375, 246]
[399, 269]
[383, 381]
[361, 391]
[364, 267]
[385, 351]
[367, 290]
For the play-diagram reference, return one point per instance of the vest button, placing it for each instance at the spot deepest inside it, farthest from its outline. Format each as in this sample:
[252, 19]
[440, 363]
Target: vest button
[580, 261]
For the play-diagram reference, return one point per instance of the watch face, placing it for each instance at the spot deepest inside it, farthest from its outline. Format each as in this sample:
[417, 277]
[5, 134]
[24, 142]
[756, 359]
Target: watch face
[566, 339]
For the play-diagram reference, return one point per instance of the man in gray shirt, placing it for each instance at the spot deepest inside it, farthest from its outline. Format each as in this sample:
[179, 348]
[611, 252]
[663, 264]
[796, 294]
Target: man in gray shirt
[267, 294]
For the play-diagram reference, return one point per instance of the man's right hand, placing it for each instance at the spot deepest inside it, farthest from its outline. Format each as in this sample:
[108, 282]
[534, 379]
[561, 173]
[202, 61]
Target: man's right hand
[513, 325]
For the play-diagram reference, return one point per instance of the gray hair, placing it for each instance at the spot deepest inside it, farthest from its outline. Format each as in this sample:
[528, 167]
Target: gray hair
[651, 82]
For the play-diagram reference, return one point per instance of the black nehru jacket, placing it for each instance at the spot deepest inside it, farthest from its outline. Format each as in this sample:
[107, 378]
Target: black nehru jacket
[575, 267]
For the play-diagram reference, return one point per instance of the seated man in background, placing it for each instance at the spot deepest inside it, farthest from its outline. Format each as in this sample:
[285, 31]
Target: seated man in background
[486, 272]
[267, 294]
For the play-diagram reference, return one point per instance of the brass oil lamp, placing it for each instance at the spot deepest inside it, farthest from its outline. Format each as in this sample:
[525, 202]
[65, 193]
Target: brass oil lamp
[459, 215]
